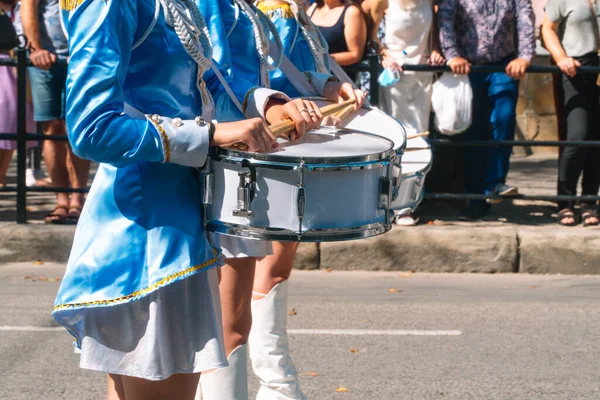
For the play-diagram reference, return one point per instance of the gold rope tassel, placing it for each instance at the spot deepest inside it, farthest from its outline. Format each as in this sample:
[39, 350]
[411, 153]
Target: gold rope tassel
[286, 10]
[70, 5]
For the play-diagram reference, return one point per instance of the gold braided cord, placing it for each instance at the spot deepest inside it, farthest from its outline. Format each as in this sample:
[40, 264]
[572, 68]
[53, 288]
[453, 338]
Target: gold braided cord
[70, 5]
[286, 10]
[141, 292]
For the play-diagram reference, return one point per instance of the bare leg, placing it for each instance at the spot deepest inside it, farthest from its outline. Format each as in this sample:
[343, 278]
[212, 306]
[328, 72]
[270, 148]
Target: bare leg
[268, 341]
[237, 276]
[231, 383]
[79, 172]
[55, 156]
[274, 268]
[114, 390]
[5, 157]
[177, 386]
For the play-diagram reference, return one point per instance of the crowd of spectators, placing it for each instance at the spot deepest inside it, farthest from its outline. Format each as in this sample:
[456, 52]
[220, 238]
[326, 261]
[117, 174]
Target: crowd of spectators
[463, 33]
[459, 33]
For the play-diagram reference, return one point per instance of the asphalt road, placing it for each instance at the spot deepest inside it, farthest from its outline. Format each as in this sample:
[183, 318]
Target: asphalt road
[431, 337]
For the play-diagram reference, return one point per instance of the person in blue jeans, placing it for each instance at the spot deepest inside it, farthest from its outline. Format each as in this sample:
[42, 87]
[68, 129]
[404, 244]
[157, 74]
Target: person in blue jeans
[488, 32]
[49, 55]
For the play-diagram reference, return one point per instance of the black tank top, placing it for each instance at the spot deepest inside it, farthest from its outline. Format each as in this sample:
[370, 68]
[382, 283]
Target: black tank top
[334, 35]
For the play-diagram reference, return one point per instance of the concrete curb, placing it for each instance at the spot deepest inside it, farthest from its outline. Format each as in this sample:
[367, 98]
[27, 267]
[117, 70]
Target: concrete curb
[427, 248]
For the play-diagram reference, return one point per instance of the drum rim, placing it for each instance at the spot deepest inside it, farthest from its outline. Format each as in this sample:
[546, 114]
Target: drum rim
[287, 235]
[218, 154]
[369, 107]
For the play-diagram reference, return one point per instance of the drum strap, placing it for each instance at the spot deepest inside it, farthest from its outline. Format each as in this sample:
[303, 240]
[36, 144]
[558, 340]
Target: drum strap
[296, 78]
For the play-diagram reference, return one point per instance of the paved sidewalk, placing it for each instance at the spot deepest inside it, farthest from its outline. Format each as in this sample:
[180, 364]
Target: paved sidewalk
[517, 236]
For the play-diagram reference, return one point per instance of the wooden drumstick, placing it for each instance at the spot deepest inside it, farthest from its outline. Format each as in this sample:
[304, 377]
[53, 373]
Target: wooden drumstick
[416, 135]
[345, 112]
[283, 127]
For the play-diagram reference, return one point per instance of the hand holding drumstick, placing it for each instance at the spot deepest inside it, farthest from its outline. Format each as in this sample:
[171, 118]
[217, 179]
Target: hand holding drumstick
[283, 128]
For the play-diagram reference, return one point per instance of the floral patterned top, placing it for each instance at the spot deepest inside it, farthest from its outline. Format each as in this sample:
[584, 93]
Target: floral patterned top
[486, 31]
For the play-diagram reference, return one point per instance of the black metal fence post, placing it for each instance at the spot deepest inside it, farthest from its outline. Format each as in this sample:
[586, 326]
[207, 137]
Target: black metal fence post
[373, 75]
[21, 135]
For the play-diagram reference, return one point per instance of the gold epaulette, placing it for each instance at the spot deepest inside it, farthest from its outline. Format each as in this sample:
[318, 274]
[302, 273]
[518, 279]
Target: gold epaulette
[70, 5]
[286, 10]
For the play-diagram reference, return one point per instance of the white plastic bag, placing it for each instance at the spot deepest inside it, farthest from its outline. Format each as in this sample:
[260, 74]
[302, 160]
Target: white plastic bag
[452, 103]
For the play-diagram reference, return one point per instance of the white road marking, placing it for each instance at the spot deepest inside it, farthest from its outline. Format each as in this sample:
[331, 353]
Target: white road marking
[341, 332]
[366, 332]
[32, 329]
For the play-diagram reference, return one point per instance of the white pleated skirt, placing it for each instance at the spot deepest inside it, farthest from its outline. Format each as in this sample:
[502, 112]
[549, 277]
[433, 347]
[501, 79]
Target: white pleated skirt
[238, 247]
[176, 329]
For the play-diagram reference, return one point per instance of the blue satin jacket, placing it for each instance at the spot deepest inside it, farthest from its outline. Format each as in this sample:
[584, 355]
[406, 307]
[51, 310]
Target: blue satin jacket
[141, 227]
[296, 49]
[234, 49]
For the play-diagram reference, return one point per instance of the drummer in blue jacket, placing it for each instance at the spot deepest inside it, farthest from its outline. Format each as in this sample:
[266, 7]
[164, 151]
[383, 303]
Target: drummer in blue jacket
[268, 343]
[140, 294]
[247, 31]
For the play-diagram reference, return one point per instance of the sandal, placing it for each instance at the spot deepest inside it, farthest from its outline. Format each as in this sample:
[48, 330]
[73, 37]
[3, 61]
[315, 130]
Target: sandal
[565, 214]
[588, 213]
[57, 218]
[73, 215]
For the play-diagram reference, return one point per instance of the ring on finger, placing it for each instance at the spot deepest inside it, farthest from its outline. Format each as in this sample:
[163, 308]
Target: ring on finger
[305, 110]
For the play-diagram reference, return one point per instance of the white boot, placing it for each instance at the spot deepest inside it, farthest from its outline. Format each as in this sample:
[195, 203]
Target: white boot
[269, 350]
[229, 383]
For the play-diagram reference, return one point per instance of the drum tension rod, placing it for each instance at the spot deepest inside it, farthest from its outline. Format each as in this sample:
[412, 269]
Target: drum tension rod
[301, 199]
[246, 190]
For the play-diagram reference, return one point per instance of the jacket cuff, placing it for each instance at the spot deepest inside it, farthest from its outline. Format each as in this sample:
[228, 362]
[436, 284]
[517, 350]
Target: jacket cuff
[256, 100]
[318, 81]
[184, 142]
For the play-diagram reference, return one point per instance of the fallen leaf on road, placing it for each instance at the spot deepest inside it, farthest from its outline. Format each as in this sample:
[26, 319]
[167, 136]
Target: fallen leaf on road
[533, 287]
[342, 390]
[309, 374]
[38, 263]
[42, 278]
[392, 290]
[405, 274]
[353, 350]
[430, 223]
[293, 312]
[329, 269]
[28, 277]
[53, 279]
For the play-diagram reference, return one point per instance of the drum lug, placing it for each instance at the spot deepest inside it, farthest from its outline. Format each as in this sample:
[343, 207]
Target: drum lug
[245, 191]
[385, 193]
[396, 180]
[207, 189]
[301, 198]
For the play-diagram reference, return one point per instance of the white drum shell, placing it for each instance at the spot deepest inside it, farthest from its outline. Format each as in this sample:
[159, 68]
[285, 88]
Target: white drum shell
[334, 199]
[415, 165]
[344, 180]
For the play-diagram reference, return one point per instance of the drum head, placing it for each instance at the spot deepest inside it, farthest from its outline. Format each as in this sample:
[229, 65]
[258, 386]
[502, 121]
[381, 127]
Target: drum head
[372, 120]
[327, 146]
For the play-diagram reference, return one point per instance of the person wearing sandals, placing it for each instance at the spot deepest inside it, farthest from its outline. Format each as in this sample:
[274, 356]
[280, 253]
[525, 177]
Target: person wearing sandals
[570, 33]
[49, 55]
[140, 294]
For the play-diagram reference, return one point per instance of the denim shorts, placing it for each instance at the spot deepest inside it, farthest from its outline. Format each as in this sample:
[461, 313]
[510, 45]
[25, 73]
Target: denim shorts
[48, 91]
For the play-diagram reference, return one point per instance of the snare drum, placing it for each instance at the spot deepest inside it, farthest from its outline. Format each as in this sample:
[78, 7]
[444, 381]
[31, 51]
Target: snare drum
[331, 185]
[414, 164]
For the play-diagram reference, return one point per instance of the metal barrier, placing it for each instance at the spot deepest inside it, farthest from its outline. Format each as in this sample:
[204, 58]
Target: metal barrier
[369, 64]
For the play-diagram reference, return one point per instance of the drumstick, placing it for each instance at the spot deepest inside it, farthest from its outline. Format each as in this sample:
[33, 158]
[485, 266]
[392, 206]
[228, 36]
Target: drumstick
[345, 112]
[283, 127]
[409, 149]
[416, 135]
